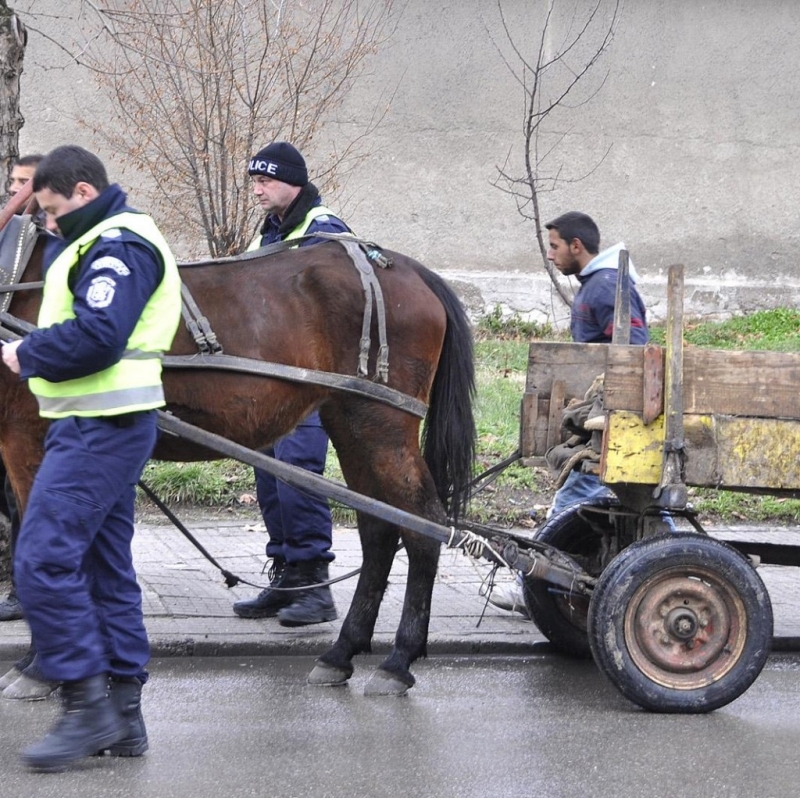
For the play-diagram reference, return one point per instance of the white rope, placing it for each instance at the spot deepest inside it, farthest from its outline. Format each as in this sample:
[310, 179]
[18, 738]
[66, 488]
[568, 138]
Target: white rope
[473, 545]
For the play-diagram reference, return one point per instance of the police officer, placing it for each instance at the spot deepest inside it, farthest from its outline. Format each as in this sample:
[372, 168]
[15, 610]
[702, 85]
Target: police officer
[299, 525]
[111, 307]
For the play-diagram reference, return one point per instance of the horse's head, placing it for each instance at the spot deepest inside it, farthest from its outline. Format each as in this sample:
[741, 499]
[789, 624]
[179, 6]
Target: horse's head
[21, 253]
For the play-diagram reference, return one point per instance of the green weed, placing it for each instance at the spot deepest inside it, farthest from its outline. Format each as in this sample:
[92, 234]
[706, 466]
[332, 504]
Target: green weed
[777, 330]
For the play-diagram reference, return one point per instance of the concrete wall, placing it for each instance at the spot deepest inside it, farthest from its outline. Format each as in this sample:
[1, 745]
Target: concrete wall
[687, 152]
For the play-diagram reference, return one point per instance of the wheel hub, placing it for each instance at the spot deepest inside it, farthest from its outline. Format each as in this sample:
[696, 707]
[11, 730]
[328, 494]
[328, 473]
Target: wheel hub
[683, 628]
[682, 623]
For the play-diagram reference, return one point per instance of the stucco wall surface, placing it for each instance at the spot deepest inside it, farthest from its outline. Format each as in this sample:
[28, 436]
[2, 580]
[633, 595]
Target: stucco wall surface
[682, 141]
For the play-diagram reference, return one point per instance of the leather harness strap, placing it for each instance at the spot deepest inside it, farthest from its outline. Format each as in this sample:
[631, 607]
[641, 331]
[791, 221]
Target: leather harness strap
[16, 245]
[198, 325]
[327, 379]
[362, 252]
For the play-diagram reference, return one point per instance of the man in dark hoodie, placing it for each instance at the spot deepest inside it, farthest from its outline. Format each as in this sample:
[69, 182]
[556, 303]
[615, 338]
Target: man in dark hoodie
[575, 251]
[299, 525]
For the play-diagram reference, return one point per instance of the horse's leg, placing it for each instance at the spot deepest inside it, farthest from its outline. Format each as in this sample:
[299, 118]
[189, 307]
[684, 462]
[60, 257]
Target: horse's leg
[385, 462]
[393, 676]
[378, 545]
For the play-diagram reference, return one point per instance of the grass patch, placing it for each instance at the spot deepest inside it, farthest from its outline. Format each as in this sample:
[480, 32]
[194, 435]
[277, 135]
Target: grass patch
[777, 330]
[730, 507]
[206, 484]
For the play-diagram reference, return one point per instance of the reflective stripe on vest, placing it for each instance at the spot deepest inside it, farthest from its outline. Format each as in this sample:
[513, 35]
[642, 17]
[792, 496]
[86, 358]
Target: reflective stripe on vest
[300, 230]
[134, 383]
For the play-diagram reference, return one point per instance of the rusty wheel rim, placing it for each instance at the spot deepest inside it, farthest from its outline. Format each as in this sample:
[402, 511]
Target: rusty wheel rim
[685, 628]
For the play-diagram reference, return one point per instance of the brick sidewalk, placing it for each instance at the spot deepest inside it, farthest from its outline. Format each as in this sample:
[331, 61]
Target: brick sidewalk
[188, 607]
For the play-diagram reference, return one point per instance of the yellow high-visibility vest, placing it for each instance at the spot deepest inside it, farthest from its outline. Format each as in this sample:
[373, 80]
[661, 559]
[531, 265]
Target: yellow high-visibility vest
[300, 230]
[134, 383]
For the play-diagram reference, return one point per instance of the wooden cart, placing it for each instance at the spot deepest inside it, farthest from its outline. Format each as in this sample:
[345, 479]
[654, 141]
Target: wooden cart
[679, 621]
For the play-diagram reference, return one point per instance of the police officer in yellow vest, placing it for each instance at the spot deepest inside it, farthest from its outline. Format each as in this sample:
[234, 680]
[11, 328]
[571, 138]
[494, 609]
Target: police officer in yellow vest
[299, 525]
[111, 307]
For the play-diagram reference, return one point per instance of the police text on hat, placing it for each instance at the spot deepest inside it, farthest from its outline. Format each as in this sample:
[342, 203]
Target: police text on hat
[280, 161]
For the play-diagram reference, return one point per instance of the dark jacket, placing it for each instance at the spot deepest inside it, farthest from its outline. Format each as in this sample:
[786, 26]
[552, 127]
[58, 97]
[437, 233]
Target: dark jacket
[592, 320]
[274, 229]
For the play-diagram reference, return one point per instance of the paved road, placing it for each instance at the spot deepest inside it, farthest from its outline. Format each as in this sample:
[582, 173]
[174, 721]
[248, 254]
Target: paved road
[528, 726]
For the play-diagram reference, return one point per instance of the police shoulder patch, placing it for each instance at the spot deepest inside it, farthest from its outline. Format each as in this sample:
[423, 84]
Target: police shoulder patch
[108, 262]
[101, 292]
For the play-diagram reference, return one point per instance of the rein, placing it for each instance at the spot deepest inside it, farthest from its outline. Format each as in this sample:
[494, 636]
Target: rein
[327, 379]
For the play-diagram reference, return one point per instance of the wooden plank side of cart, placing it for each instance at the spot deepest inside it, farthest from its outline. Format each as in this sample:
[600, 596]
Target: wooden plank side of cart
[741, 413]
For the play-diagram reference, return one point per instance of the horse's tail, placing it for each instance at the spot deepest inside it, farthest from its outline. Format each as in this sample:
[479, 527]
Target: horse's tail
[448, 434]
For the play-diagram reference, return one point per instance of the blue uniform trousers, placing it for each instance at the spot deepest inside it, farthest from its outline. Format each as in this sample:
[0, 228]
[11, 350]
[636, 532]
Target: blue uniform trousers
[73, 562]
[299, 524]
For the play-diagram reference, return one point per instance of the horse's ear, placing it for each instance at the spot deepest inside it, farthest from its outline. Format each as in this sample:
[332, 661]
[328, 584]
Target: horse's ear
[32, 208]
[13, 206]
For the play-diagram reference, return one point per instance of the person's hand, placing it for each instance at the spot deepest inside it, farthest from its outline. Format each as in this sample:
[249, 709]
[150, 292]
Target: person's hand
[10, 355]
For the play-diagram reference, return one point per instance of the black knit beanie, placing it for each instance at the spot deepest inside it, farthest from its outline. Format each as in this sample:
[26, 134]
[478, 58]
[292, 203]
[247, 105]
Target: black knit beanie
[280, 161]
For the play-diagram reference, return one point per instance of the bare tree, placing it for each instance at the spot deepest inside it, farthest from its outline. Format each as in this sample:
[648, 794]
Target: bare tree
[198, 86]
[13, 38]
[553, 78]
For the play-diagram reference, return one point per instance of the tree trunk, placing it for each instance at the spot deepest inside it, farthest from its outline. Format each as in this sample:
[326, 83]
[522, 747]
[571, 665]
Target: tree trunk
[12, 50]
[13, 38]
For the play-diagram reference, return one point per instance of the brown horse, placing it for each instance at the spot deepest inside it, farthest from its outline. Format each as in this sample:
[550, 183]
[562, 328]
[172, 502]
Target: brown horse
[305, 308]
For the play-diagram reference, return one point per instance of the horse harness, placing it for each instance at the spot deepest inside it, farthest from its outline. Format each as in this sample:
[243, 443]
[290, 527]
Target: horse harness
[16, 245]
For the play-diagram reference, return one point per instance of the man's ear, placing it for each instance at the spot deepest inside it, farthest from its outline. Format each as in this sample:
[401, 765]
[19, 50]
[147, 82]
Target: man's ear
[86, 191]
[576, 246]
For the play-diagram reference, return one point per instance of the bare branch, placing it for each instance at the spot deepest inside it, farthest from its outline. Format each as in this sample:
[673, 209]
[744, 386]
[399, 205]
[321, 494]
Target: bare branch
[197, 86]
[548, 77]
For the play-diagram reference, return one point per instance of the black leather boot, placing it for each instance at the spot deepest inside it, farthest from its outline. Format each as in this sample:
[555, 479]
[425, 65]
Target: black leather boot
[126, 698]
[88, 724]
[10, 608]
[309, 606]
[267, 603]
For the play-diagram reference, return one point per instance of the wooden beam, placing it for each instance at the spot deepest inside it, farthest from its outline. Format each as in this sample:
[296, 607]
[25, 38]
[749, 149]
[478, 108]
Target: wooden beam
[529, 414]
[735, 383]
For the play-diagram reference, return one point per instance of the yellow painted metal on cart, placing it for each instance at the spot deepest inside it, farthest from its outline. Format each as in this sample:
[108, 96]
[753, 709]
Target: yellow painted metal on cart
[633, 449]
[721, 451]
[757, 452]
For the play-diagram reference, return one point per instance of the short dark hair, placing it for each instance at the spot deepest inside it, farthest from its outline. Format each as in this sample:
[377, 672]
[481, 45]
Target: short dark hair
[574, 224]
[29, 160]
[63, 168]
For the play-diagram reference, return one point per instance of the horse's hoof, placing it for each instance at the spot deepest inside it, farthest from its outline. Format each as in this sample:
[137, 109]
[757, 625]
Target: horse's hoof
[384, 683]
[328, 675]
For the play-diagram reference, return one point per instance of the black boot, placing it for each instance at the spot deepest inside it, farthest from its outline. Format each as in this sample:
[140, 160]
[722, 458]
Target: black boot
[10, 608]
[309, 606]
[126, 698]
[88, 724]
[267, 603]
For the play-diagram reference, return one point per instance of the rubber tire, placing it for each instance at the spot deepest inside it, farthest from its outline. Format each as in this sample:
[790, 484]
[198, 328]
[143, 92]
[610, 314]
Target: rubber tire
[562, 618]
[695, 562]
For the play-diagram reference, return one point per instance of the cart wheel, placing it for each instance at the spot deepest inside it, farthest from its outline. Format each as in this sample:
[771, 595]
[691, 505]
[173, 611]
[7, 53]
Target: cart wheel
[561, 616]
[680, 623]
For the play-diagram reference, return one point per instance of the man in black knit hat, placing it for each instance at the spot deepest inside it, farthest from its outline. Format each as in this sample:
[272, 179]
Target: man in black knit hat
[299, 525]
